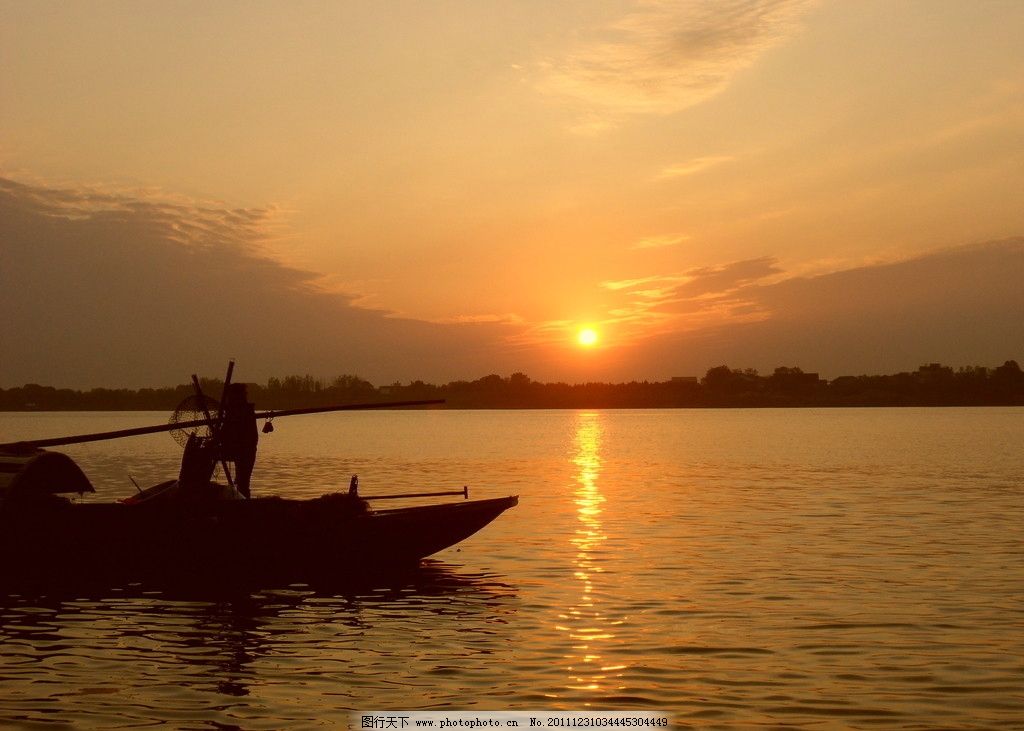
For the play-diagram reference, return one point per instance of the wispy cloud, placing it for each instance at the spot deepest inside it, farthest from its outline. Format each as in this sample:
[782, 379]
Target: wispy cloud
[690, 300]
[197, 224]
[509, 318]
[958, 306]
[106, 287]
[659, 242]
[616, 284]
[701, 281]
[695, 165]
[726, 278]
[667, 55]
[697, 297]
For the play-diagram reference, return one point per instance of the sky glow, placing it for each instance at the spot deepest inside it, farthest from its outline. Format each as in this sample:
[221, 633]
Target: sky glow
[687, 176]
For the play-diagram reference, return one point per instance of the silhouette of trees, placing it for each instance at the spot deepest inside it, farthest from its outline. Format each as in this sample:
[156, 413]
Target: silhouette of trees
[1008, 381]
[932, 384]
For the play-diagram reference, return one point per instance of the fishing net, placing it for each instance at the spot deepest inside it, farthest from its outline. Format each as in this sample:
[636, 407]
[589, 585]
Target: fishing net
[193, 408]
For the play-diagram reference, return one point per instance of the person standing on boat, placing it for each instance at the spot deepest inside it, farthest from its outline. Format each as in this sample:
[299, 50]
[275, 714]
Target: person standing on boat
[240, 435]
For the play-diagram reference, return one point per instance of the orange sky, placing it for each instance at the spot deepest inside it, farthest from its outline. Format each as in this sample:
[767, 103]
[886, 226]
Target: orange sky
[494, 176]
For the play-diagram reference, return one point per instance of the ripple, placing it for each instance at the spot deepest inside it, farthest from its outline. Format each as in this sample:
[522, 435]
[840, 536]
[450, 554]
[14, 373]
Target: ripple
[813, 569]
[701, 650]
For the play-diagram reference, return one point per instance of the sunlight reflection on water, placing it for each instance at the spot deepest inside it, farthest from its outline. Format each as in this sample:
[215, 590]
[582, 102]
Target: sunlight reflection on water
[587, 624]
[806, 568]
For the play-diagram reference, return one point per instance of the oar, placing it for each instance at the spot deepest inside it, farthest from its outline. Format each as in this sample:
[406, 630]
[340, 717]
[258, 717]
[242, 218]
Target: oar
[464, 492]
[139, 431]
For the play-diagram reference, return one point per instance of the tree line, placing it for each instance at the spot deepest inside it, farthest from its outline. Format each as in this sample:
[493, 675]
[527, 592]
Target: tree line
[930, 385]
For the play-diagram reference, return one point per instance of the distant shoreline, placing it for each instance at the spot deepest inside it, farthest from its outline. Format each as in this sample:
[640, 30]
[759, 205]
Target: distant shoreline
[721, 387]
[795, 407]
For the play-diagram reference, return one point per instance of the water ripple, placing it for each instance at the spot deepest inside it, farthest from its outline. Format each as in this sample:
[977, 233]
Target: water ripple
[798, 569]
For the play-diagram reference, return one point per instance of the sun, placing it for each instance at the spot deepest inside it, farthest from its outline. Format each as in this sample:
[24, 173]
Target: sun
[587, 337]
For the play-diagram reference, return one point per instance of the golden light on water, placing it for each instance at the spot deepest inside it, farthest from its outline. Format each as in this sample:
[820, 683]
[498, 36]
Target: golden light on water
[586, 624]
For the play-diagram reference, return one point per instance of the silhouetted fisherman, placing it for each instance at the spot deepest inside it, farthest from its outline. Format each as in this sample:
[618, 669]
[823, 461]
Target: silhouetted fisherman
[240, 435]
[197, 465]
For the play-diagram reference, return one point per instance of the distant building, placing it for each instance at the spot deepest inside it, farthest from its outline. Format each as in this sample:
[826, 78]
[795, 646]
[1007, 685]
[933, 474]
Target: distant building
[934, 372]
[793, 378]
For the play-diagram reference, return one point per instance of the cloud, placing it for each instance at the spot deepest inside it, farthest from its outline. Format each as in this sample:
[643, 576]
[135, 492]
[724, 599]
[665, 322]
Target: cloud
[667, 55]
[692, 166]
[509, 318]
[700, 294]
[633, 283]
[107, 288]
[725, 279]
[960, 306]
[659, 242]
[195, 224]
[102, 287]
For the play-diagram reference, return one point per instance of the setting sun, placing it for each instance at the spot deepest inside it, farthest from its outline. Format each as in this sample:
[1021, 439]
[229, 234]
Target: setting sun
[587, 337]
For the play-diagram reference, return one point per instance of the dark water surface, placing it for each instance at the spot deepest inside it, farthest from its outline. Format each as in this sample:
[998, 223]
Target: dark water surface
[765, 568]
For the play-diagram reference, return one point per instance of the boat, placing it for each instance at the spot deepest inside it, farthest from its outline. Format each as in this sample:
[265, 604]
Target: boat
[196, 526]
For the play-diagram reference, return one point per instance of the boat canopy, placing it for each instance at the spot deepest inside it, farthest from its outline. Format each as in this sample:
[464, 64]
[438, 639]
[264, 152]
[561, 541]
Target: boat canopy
[39, 473]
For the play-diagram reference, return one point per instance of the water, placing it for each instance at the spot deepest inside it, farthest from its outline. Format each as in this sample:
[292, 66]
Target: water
[737, 568]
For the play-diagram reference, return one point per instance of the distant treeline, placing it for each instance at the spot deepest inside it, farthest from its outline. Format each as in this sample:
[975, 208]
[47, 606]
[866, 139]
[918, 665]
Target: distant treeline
[929, 385]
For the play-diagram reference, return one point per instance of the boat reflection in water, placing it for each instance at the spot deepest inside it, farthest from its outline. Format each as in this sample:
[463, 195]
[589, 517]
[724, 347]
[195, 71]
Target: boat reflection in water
[590, 629]
[71, 652]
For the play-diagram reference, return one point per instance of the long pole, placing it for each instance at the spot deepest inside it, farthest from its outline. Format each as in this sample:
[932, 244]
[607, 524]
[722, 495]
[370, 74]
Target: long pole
[347, 407]
[464, 492]
[139, 431]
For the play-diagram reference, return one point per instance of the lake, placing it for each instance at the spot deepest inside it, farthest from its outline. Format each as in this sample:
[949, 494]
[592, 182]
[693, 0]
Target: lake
[802, 568]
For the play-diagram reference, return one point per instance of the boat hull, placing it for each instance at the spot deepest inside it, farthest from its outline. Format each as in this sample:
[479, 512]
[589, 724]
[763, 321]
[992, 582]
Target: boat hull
[329, 537]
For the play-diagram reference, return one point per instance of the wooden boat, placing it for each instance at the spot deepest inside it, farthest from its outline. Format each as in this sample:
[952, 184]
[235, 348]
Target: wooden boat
[187, 527]
[330, 536]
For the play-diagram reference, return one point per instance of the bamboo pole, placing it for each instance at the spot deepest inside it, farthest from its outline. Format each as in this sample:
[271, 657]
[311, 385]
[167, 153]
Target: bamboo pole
[139, 431]
[464, 492]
